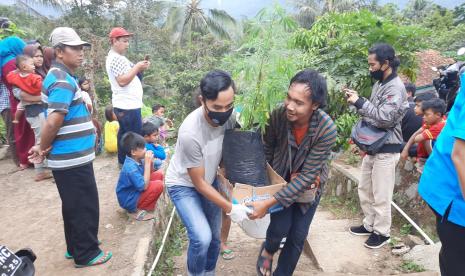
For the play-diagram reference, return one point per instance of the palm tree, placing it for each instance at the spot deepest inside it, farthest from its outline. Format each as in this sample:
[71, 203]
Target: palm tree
[186, 19]
[309, 10]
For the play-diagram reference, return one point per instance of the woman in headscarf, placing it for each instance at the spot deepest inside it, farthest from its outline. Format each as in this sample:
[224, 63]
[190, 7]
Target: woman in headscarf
[37, 54]
[10, 47]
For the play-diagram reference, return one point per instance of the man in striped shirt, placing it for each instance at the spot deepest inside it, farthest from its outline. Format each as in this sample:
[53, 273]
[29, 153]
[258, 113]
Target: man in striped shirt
[67, 140]
[298, 142]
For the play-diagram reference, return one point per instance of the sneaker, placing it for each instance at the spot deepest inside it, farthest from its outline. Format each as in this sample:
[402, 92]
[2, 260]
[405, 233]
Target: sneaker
[376, 241]
[359, 231]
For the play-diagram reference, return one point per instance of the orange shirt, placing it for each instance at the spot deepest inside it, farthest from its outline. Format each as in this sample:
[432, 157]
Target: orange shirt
[31, 83]
[299, 134]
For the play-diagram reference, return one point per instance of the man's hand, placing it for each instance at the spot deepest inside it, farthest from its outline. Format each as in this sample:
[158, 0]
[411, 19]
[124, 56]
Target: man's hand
[352, 95]
[239, 212]
[36, 155]
[142, 65]
[259, 209]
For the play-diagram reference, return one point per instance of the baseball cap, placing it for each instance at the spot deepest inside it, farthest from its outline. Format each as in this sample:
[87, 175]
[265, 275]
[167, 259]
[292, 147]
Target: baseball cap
[66, 36]
[119, 32]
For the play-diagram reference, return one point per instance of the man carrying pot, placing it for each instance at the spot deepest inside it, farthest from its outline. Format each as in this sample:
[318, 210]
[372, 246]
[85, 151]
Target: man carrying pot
[297, 144]
[191, 176]
[384, 110]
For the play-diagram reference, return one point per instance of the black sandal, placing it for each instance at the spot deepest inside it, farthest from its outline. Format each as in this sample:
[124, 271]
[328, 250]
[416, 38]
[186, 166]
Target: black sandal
[263, 262]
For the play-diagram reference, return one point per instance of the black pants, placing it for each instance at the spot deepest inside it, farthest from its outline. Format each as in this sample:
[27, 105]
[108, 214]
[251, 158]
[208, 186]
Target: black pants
[129, 120]
[293, 225]
[452, 254]
[80, 209]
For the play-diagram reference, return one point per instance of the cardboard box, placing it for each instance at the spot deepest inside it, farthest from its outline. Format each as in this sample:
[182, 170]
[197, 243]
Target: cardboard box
[243, 193]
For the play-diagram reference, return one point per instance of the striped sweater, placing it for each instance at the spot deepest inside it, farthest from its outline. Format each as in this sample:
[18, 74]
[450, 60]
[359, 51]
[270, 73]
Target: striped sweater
[310, 158]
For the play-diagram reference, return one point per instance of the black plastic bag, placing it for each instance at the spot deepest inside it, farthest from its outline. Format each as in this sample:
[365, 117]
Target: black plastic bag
[244, 158]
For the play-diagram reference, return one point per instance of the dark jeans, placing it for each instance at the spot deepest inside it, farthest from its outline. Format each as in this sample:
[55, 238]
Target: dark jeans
[129, 120]
[452, 254]
[80, 209]
[293, 225]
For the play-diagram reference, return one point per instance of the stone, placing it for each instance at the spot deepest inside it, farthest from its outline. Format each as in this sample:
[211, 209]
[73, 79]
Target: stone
[412, 191]
[4, 152]
[409, 166]
[413, 240]
[339, 190]
[400, 249]
[349, 186]
[426, 256]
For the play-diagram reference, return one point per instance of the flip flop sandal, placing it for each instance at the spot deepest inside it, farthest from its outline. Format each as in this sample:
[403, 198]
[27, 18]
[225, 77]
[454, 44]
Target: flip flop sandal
[263, 262]
[227, 254]
[144, 216]
[102, 258]
[68, 256]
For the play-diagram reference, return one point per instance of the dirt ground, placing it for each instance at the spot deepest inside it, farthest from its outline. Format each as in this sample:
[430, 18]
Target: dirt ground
[30, 216]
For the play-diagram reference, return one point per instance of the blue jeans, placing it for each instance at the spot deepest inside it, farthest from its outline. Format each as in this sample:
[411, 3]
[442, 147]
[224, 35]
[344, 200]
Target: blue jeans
[292, 224]
[129, 120]
[202, 219]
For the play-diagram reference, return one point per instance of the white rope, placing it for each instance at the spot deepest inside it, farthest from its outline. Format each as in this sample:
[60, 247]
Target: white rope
[430, 241]
[160, 250]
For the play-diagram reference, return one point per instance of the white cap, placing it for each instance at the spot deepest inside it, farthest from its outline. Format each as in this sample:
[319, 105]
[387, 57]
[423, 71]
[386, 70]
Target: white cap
[66, 36]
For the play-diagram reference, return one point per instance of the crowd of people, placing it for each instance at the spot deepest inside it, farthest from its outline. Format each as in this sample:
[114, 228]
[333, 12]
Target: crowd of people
[47, 111]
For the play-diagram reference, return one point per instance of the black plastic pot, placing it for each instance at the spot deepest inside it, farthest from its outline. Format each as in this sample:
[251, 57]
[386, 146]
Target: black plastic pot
[244, 158]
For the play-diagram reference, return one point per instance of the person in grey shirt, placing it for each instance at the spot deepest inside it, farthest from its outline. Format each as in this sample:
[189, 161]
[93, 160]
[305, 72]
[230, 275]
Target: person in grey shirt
[385, 109]
[191, 175]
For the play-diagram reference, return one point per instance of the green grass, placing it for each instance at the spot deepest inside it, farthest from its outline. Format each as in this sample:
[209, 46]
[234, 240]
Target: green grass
[341, 207]
[174, 246]
[409, 266]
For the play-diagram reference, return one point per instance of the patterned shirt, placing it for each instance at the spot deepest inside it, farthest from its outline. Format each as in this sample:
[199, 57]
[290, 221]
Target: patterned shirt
[74, 144]
[4, 97]
[310, 158]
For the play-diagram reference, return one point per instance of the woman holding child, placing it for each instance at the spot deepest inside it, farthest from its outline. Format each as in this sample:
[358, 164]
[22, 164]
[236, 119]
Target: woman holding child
[24, 137]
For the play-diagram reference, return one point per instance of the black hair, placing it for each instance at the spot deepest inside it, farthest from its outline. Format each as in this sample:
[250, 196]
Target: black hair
[148, 128]
[383, 52]
[109, 113]
[425, 97]
[436, 105]
[131, 141]
[214, 82]
[315, 82]
[156, 107]
[410, 87]
[82, 80]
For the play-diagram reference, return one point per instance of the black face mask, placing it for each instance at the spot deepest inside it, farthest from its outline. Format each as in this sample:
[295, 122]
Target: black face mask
[218, 118]
[377, 75]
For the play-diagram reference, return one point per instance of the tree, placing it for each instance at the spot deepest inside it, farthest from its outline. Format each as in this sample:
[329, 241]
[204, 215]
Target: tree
[416, 10]
[309, 10]
[459, 13]
[187, 19]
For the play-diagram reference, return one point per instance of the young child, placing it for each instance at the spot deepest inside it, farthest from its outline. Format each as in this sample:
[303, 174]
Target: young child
[84, 84]
[27, 80]
[421, 98]
[111, 130]
[151, 136]
[433, 122]
[138, 189]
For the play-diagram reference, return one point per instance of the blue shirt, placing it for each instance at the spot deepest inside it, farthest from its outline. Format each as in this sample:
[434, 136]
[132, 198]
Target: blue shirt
[439, 184]
[130, 184]
[74, 143]
[158, 151]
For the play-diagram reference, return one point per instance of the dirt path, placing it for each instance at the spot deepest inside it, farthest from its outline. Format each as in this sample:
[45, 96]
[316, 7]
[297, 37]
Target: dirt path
[30, 216]
[246, 250]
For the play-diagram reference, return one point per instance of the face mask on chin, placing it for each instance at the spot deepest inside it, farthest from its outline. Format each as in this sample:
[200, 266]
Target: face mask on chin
[218, 118]
[377, 75]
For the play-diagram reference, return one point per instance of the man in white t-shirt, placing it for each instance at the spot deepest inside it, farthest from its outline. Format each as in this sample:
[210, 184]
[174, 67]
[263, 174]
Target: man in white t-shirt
[191, 177]
[125, 84]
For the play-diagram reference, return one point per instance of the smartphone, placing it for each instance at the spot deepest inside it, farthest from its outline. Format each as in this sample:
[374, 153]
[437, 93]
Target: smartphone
[147, 57]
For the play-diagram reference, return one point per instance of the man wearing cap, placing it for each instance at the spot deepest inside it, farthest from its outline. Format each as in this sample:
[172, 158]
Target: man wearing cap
[125, 84]
[67, 141]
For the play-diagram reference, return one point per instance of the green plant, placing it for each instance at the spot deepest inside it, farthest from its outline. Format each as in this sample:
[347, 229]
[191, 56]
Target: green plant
[406, 229]
[410, 266]
[353, 159]
[263, 65]
[344, 124]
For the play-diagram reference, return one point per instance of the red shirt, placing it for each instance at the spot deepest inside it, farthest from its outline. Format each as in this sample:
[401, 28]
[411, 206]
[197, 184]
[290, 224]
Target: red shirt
[31, 83]
[299, 134]
[430, 133]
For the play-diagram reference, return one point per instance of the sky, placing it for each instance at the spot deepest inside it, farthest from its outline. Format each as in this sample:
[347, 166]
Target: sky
[247, 8]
